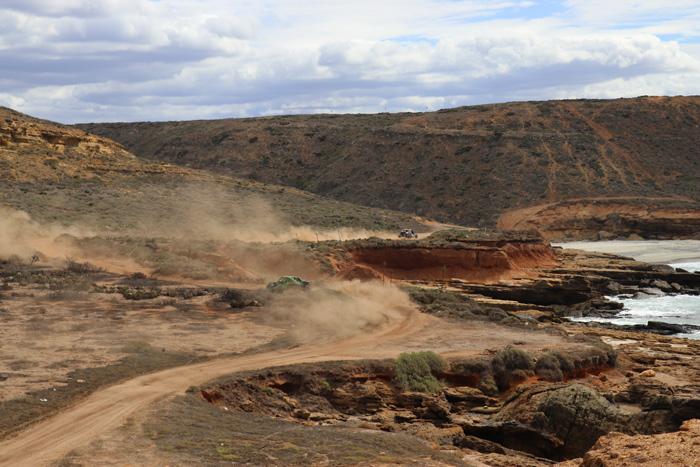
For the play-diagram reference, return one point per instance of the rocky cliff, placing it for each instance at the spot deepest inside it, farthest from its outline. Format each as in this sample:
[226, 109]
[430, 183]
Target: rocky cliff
[33, 149]
[477, 256]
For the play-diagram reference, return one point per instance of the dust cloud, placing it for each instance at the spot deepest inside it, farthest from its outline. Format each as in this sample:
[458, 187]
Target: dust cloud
[211, 214]
[337, 309]
[206, 232]
[22, 237]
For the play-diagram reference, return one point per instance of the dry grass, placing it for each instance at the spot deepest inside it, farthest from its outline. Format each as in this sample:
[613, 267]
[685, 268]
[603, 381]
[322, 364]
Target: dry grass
[190, 430]
[62, 340]
[141, 359]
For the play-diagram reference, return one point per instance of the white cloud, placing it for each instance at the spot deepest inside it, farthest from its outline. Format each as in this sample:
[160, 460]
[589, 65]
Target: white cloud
[80, 60]
[77, 8]
[615, 11]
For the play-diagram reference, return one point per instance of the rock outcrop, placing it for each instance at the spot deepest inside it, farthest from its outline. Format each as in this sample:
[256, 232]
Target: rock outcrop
[571, 418]
[478, 256]
[578, 285]
[467, 411]
[609, 219]
[532, 420]
[33, 149]
[677, 449]
[515, 272]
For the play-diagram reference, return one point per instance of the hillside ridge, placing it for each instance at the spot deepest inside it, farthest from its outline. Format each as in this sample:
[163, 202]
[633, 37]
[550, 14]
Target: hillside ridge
[466, 165]
[62, 174]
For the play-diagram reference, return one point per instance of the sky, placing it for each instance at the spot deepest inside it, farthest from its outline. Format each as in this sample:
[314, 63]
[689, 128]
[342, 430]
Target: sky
[153, 60]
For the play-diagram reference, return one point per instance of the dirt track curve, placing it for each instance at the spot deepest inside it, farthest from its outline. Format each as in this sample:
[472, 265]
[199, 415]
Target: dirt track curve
[108, 408]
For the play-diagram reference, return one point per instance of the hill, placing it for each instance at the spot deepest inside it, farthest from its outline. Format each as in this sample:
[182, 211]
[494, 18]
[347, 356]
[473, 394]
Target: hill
[637, 161]
[63, 175]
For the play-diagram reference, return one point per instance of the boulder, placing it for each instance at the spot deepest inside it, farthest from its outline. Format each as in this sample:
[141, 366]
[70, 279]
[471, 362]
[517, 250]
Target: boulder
[478, 444]
[436, 408]
[574, 414]
[369, 397]
[660, 284]
[465, 397]
[518, 436]
[614, 288]
[651, 394]
[302, 414]
[685, 403]
[425, 406]
[659, 326]
[646, 292]
[404, 416]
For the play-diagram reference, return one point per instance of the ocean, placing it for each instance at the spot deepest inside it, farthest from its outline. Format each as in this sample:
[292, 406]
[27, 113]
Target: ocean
[676, 309]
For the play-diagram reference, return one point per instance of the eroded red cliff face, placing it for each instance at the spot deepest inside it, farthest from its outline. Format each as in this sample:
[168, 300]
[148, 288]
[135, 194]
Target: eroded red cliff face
[477, 261]
[609, 218]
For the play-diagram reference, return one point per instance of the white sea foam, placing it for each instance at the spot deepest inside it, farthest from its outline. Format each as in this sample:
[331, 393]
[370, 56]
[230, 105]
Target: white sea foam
[691, 267]
[676, 309]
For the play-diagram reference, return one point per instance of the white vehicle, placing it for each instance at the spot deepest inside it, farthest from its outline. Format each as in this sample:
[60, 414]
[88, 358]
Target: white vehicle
[408, 233]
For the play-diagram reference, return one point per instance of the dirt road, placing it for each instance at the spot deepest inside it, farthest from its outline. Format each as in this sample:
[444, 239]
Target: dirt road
[107, 409]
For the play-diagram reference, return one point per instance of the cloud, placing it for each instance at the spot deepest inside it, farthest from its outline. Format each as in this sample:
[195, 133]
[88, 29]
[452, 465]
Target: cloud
[79, 60]
[613, 12]
[74, 8]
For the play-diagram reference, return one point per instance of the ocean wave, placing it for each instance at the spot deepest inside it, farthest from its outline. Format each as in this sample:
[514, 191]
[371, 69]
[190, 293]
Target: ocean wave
[692, 267]
[675, 309]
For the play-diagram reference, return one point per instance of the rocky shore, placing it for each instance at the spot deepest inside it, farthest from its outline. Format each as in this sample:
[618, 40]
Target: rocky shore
[509, 408]
[606, 398]
[516, 381]
[518, 273]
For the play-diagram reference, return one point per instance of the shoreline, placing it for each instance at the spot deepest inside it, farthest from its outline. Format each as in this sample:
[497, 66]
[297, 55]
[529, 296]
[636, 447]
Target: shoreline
[649, 251]
[676, 253]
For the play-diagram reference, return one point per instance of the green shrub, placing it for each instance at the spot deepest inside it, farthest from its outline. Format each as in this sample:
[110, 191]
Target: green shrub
[547, 367]
[567, 366]
[510, 366]
[553, 366]
[325, 385]
[488, 385]
[415, 371]
[139, 293]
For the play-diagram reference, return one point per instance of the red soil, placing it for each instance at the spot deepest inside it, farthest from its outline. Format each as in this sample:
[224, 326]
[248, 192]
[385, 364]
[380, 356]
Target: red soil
[478, 264]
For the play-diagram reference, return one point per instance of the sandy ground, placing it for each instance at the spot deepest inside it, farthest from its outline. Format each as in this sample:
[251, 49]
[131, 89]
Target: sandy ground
[106, 410]
[43, 338]
[651, 251]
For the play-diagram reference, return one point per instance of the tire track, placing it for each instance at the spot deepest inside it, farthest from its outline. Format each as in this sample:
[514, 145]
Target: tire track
[108, 408]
